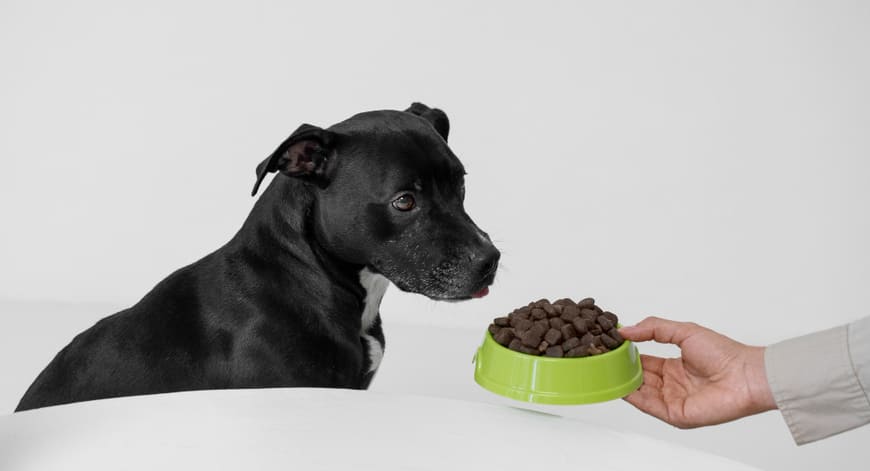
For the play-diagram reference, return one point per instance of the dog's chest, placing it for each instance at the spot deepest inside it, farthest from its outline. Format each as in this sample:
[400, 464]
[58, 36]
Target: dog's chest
[375, 285]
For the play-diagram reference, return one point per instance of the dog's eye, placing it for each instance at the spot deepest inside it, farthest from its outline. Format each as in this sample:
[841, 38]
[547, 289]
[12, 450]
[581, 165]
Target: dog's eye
[404, 202]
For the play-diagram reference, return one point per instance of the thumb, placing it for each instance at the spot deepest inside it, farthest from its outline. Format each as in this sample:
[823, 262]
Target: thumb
[660, 330]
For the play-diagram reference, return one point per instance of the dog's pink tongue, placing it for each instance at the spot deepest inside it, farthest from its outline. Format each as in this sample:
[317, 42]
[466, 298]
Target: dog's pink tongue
[481, 293]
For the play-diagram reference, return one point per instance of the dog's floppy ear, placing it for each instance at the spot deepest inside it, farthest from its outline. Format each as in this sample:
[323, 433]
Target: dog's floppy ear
[303, 154]
[437, 118]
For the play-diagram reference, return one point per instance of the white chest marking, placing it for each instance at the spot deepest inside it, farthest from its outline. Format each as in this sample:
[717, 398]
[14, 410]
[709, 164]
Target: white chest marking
[375, 286]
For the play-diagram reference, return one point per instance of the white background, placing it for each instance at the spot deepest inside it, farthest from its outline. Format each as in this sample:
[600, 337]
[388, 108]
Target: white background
[695, 160]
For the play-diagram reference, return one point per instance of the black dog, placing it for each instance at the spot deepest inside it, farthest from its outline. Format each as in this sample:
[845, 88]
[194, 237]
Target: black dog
[292, 299]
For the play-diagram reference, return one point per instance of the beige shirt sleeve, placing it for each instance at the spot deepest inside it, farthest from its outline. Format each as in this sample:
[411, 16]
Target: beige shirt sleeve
[820, 381]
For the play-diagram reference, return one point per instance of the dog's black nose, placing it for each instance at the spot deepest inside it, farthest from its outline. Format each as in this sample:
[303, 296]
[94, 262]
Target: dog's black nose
[489, 263]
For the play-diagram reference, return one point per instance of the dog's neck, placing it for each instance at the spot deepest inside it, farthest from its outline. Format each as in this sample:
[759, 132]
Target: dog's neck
[279, 234]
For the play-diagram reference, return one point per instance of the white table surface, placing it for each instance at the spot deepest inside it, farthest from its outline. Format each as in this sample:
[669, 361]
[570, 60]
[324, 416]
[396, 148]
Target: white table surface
[265, 429]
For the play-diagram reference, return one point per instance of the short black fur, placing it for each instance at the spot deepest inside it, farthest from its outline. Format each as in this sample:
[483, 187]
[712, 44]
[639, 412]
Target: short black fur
[280, 304]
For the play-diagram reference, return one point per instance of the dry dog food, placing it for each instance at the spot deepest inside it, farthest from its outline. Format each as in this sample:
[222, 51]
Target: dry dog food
[559, 329]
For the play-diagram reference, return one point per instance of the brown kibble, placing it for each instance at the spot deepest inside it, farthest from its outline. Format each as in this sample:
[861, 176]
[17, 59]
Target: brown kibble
[572, 342]
[585, 302]
[615, 335]
[609, 341]
[548, 308]
[505, 336]
[569, 313]
[576, 352]
[591, 325]
[531, 338]
[553, 336]
[529, 350]
[580, 325]
[555, 351]
[522, 325]
[560, 329]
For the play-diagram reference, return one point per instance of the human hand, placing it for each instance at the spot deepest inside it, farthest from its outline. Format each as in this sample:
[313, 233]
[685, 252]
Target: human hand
[715, 380]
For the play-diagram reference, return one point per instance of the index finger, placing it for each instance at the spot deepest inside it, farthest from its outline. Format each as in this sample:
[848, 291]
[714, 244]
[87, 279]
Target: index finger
[660, 330]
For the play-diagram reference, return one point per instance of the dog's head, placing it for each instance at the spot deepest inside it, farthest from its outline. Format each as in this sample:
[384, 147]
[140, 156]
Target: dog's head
[388, 195]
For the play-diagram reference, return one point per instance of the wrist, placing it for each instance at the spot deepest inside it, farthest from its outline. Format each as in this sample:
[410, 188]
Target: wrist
[760, 396]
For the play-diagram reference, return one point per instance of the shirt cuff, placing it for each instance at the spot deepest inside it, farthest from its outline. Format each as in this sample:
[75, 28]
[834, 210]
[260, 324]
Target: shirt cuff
[815, 385]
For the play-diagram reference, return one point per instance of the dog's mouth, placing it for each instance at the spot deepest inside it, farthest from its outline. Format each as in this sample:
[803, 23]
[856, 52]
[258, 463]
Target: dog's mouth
[485, 283]
[481, 292]
[448, 288]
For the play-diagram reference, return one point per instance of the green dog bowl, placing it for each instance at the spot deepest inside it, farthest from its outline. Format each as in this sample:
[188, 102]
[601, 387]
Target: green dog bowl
[548, 380]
